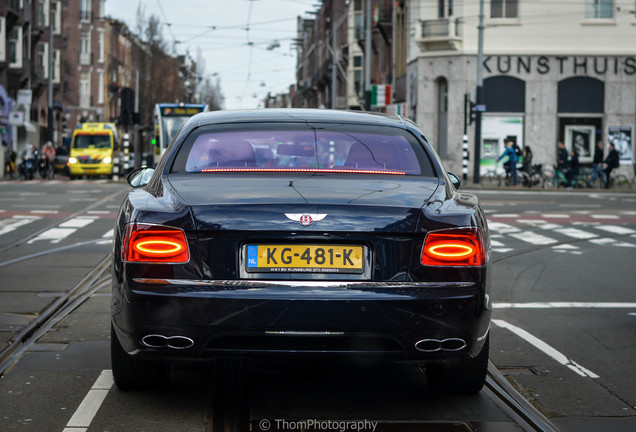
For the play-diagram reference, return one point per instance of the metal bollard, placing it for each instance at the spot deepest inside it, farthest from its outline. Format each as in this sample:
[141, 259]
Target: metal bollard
[115, 168]
[465, 156]
[126, 153]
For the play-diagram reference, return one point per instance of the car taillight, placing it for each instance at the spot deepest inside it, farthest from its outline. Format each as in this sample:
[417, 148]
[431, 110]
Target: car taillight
[454, 247]
[154, 244]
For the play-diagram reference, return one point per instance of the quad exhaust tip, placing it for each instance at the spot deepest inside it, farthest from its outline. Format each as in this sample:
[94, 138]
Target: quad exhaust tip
[434, 345]
[161, 341]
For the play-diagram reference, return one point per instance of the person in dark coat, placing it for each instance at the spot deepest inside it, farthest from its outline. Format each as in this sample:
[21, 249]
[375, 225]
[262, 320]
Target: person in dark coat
[562, 157]
[597, 165]
[573, 168]
[611, 162]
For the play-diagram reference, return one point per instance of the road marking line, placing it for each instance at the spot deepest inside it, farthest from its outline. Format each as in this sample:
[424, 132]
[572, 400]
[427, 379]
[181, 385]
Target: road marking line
[533, 238]
[502, 228]
[506, 215]
[566, 247]
[553, 305]
[45, 211]
[85, 413]
[78, 222]
[16, 222]
[502, 250]
[576, 233]
[547, 349]
[556, 216]
[603, 241]
[54, 235]
[604, 216]
[616, 229]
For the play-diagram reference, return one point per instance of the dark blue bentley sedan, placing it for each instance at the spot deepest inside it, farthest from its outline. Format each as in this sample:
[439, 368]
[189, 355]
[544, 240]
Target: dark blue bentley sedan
[300, 233]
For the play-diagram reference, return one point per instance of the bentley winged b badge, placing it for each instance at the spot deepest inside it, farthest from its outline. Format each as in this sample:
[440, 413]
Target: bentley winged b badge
[305, 219]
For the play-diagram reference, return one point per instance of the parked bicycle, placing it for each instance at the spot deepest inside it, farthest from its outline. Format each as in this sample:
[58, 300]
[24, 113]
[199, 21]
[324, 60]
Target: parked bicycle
[557, 178]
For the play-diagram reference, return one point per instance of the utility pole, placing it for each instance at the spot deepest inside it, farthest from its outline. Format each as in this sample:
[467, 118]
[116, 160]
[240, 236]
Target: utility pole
[479, 95]
[334, 66]
[367, 58]
[50, 89]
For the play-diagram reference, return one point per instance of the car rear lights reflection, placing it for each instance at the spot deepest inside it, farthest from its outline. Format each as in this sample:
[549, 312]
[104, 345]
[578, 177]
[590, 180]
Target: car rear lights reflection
[155, 244]
[454, 247]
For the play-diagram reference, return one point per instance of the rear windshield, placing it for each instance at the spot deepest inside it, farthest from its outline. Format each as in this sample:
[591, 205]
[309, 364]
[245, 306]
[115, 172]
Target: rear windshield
[300, 148]
[91, 141]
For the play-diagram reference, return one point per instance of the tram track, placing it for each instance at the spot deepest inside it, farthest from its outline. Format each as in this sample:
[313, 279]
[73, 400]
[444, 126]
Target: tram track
[96, 279]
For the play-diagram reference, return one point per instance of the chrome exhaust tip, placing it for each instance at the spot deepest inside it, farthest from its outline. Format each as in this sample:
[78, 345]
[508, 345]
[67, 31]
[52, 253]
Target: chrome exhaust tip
[428, 345]
[161, 341]
[434, 345]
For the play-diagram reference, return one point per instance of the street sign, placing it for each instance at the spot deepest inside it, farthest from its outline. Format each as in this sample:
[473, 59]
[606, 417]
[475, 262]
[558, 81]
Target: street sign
[16, 118]
[25, 97]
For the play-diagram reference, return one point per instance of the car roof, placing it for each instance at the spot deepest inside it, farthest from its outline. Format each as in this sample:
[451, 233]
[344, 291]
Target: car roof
[298, 115]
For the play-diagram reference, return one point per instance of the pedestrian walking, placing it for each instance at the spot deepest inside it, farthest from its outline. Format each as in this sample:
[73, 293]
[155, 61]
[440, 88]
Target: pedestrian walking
[611, 162]
[597, 165]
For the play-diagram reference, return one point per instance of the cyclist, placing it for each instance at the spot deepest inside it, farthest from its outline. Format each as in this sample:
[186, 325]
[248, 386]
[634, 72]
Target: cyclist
[512, 161]
[48, 152]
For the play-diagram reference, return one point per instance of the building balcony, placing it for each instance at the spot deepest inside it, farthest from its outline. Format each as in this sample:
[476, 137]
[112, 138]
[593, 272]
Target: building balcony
[440, 34]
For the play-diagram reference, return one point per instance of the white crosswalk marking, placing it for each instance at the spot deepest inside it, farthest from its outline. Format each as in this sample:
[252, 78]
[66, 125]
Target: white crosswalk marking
[615, 229]
[533, 238]
[576, 233]
[16, 222]
[502, 228]
[65, 229]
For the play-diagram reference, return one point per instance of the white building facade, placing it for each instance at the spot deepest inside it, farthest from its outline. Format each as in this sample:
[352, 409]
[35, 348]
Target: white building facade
[553, 71]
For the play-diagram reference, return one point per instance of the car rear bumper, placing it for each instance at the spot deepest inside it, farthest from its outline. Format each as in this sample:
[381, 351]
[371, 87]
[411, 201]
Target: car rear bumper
[198, 319]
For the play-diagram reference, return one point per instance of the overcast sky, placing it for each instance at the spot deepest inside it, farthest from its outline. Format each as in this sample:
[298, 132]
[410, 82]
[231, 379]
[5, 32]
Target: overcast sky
[233, 37]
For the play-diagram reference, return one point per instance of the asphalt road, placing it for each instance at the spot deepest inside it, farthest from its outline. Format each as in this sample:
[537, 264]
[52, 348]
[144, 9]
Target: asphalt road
[563, 332]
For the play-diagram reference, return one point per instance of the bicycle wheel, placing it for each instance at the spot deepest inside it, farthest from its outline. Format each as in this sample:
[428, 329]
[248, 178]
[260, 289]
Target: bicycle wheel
[550, 182]
[490, 180]
[536, 180]
[524, 179]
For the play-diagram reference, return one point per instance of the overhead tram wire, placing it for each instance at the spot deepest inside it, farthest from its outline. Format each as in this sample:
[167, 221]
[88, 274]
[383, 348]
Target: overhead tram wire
[251, 46]
[174, 39]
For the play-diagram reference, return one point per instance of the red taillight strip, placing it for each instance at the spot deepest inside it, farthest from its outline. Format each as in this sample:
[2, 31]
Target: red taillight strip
[312, 170]
[145, 243]
[454, 247]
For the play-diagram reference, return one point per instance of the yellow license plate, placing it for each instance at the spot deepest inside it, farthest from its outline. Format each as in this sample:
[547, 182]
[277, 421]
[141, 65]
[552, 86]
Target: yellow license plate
[305, 258]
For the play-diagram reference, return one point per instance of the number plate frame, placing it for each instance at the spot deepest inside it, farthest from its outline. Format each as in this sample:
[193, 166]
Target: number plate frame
[305, 258]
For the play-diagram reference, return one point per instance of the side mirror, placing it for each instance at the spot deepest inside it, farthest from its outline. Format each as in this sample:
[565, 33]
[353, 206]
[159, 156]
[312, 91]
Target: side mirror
[140, 177]
[454, 180]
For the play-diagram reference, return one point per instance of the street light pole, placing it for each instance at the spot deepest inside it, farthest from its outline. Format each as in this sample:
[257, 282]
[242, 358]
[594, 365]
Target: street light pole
[50, 89]
[334, 66]
[479, 95]
[367, 58]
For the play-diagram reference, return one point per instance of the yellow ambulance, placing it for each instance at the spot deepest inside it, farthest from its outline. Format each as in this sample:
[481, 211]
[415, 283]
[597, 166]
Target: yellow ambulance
[92, 150]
